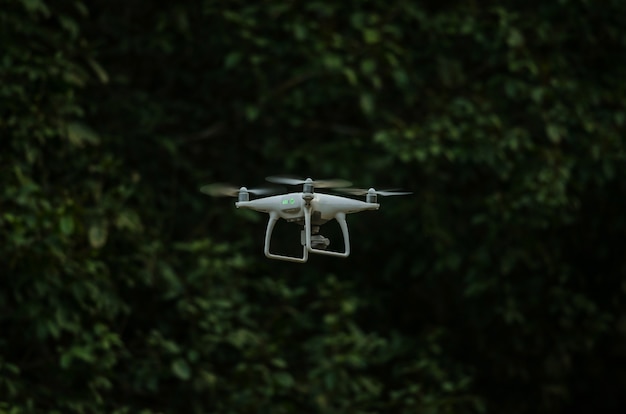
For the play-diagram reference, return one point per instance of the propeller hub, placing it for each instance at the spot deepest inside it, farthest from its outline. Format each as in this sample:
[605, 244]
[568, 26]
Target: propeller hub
[371, 196]
[308, 186]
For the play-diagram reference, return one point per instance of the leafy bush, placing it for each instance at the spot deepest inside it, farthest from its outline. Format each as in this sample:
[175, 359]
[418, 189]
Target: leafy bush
[496, 287]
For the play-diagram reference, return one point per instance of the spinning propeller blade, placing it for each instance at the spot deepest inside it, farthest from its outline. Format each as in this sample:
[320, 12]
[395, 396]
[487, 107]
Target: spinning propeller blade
[227, 190]
[334, 183]
[364, 191]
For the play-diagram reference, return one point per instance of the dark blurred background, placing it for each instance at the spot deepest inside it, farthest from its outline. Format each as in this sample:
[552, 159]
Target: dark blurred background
[497, 287]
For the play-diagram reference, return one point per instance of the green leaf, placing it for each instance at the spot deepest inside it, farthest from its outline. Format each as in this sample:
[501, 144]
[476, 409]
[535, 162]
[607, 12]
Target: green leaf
[284, 379]
[36, 6]
[367, 103]
[371, 36]
[252, 112]
[67, 225]
[180, 368]
[368, 66]
[97, 234]
[351, 76]
[300, 31]
[232, 59]
[515, 38]
[79, 134]
[102, 75]
[129, 220]
[554, 133]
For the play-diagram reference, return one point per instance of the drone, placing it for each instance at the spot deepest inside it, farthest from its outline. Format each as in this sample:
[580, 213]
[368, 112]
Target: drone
[307, 208]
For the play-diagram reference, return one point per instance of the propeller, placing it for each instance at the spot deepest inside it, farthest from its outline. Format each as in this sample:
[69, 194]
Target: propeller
[227, 190]
[333, 183]
[365, 191]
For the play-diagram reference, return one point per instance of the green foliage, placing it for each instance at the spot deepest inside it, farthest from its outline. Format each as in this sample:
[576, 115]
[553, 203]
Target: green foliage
[497, 287]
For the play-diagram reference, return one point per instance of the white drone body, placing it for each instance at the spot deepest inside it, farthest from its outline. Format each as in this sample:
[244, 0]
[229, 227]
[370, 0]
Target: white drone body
[309, 209]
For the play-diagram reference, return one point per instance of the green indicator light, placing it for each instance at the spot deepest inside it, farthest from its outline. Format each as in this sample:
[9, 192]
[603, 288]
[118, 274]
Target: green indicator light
[292, 201]
[285, 201]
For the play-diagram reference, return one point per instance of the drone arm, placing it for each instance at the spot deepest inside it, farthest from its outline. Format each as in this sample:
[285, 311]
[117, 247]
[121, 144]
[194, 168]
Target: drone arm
[268, 237]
